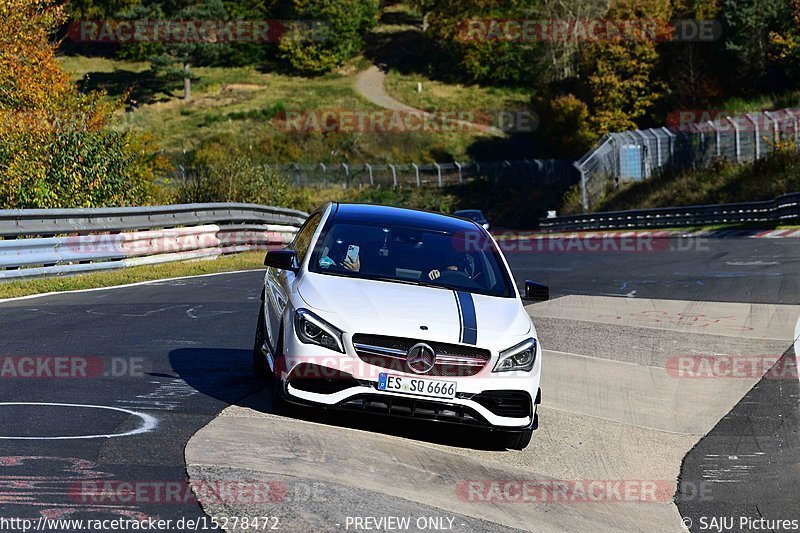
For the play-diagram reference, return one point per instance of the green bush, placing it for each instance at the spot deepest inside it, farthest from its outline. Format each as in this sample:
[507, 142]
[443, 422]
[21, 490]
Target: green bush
[565, 123]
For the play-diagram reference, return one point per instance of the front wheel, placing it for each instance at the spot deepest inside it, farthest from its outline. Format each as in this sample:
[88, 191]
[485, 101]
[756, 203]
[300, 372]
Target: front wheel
[518, 440]
[260, 368]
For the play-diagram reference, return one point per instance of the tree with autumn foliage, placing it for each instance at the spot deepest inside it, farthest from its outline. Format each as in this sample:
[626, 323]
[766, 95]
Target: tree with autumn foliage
[620, 73]
[58, 147]
[785, 44]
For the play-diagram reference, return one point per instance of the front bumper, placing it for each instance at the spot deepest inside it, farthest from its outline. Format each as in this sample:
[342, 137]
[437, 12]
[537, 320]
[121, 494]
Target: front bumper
[505, 400]
[470, 410]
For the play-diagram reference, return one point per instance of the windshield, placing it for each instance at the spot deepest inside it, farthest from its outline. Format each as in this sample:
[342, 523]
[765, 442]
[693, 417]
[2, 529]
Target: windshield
[460, 261]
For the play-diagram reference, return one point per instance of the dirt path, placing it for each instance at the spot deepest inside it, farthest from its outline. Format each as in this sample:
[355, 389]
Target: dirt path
[370, 85]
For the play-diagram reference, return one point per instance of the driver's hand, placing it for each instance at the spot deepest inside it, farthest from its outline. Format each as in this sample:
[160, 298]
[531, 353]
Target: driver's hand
[434, 274]
[355, 267]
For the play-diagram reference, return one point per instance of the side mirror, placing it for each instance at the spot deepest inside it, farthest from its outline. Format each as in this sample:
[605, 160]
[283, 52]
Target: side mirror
[536, 292]
[282, 260]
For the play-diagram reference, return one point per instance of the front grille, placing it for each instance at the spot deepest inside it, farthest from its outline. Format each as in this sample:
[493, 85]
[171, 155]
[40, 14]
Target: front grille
[452, 360]
[414, 408]
[506, 403]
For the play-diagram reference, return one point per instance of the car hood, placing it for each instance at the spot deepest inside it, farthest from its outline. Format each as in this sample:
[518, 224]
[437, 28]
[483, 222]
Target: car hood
[401, 310]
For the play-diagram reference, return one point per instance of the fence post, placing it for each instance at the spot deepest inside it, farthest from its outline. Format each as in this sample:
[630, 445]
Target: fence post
[775, 134]
[796, 133]
[460, 175]
[736, 138]
[584, 192]
[438, 173]
[671, 140]
[416, 172]
[755, 135]
[296, 174]
[369, 169]
[324, 174]
[394, 175]
[716, 137]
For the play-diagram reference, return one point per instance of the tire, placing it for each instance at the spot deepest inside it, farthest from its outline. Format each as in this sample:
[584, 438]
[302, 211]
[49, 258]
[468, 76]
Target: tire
[518, 440]
[260, 368]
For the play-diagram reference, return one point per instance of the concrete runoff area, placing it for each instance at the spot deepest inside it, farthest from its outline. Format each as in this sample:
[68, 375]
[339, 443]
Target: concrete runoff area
[607, 416]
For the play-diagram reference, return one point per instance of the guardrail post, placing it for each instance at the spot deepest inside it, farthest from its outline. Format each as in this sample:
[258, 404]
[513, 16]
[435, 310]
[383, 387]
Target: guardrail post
[460, 175]
[736, 139]
[416, 173]
[438, 173]
[346, 175]
[394, 175]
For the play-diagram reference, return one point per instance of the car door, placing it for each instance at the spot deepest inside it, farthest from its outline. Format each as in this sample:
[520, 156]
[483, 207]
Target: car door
[278, 281]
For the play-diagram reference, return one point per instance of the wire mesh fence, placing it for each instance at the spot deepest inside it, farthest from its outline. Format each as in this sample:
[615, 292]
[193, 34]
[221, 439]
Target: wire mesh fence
[639, 154]
[524, 172]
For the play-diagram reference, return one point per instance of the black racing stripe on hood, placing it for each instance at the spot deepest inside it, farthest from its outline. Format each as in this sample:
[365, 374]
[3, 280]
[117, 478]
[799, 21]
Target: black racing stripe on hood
[469, 320]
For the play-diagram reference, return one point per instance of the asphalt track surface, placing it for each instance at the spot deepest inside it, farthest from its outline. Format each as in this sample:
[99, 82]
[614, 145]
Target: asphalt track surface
[178, 352]
[692, 268]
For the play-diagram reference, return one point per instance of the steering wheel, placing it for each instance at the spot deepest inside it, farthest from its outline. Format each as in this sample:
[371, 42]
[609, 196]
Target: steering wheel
[458, 278]
[453, 274]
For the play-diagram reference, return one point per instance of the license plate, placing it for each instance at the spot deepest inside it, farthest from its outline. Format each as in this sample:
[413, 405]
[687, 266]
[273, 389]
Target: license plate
[418, 386]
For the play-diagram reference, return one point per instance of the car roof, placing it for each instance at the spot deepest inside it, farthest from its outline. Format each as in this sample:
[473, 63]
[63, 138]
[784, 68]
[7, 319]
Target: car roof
[401, 216]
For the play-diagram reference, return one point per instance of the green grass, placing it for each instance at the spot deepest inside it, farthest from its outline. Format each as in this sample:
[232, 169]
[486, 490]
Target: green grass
[230, 263]
[441, 96]
[240, 102]
[763, 102]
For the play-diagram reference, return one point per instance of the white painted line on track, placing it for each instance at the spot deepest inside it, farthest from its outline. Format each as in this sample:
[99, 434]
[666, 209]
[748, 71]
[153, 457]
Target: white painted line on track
[137, 284]
[148, 422]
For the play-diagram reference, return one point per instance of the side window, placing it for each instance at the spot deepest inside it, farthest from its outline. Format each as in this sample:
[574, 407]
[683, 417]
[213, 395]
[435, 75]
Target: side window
[303, 239]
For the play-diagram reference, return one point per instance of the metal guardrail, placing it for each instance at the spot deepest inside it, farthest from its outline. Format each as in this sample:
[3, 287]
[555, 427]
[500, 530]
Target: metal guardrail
[782, 209]
[44, 242]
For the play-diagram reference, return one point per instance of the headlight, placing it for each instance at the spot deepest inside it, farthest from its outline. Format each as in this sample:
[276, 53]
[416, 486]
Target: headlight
[311, 329]
[520, 357]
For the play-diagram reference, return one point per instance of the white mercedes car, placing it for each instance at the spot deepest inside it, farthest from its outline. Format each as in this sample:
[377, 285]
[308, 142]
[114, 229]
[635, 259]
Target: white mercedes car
[401, 312]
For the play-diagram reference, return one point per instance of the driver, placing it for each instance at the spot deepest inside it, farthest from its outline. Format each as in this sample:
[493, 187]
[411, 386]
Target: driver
[457, 264]
[340, 246]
